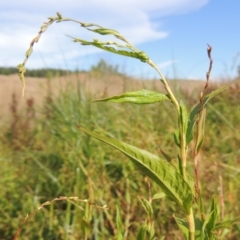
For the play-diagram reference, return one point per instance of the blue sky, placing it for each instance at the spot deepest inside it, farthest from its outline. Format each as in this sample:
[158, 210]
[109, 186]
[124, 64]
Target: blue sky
[174, 33]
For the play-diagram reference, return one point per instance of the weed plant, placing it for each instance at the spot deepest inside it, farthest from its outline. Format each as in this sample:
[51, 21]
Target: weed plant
[171, 184]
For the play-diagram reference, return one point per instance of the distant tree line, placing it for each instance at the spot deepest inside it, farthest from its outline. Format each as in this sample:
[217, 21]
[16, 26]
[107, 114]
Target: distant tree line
[101, 67]
[43, 72]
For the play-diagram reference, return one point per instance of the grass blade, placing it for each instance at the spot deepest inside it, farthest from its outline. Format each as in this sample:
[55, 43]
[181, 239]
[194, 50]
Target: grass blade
[195, 112]
[157, 169]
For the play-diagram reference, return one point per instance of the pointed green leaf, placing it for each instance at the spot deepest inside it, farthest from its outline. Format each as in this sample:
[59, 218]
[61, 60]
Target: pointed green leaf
[177, 138]
[166, 156]
[147, 206]
[206, 222]
[184, 117]
[190, 181]
[139, 55]
[142, 232]
[120, 235]
[195, 112]
[157, 169]
[179, 161]
[226, 224]
[201, 129]
[213, 217]
[183, 226]
[200, 203]
[199, 233]
[139, 97]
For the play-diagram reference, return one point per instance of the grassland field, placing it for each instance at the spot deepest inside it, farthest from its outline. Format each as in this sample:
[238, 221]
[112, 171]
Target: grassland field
[43, 155]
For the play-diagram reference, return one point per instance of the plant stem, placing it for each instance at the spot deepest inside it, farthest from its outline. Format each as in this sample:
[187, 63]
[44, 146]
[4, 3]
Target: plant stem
[190, 217]
[168, 89]
[183, 147]
[183, 153]
[191, 225]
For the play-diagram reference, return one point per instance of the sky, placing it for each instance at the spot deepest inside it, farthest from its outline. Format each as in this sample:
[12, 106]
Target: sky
[173, 33]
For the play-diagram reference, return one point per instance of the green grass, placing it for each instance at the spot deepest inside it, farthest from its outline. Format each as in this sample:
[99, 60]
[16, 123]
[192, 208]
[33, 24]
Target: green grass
[46, 157]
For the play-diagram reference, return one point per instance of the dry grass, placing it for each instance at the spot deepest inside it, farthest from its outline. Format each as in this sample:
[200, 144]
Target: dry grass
[98, 85]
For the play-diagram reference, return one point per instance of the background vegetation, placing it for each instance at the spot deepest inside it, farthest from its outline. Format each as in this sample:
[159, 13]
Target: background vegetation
[44, 156]
[35, 72]
[101, 67]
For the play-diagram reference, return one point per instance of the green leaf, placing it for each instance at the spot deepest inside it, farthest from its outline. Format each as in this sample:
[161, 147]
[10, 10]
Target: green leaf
[177, 138]
[142, 232]
[120, 235]
[201, 129]
[212, 218]
[226, 224]
[199, 233]
[195, 112]
[147, 206]
[158, 196]
[184, 117]
[166, 156]
[139, 55]
[183, 226]
[179, 161]
[190, 181]
[157, 169]
[140, 97]
[200, 203]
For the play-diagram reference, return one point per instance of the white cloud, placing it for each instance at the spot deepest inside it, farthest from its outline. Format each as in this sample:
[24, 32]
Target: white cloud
[21, 20]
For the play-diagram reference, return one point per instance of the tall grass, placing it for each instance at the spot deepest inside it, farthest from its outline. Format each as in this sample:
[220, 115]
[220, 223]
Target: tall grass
[58, 161]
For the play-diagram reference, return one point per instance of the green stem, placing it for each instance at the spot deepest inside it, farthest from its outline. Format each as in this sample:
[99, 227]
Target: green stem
[191, 225]
[190, 217]
[168, 89]
[183, 163]
[183, 151]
